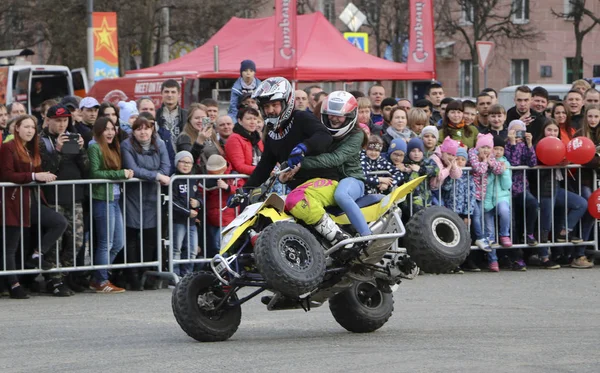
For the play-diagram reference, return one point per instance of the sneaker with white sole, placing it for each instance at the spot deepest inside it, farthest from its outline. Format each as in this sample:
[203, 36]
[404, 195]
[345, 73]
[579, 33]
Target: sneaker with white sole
[106, 287]
[483, 245]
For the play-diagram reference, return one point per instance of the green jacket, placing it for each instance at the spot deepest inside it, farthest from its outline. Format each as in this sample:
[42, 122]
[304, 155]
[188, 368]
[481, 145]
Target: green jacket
[98, 171]
[459, 135]
[498, 187]
[343, 154]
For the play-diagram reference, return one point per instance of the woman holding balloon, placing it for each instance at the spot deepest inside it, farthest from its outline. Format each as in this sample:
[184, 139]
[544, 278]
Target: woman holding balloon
[562, 116]
[550, 152]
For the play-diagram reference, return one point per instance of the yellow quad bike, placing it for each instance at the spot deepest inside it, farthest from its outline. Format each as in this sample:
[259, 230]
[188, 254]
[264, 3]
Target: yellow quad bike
[267, 249]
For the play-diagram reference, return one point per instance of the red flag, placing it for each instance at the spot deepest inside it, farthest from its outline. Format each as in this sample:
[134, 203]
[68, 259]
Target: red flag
[285, 33]
[421, 54]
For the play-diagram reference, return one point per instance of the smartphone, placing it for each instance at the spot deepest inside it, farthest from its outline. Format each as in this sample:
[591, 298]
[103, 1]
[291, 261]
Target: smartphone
[71, 146]
[520, 134]
[205, 122]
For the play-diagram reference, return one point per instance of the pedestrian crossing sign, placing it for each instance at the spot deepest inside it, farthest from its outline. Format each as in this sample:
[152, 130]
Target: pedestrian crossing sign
[359, 39]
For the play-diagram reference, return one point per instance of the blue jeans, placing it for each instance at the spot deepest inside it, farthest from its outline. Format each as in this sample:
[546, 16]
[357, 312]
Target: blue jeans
[531, 207]
[576, 207]
[185, 245]
[476, 220]
[213, 241]
[346, 194]
[503, 209]
[109, 236]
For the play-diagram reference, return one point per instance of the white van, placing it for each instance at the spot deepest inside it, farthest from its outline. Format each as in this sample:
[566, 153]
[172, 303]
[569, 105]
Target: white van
[556, 92]
[17, 83]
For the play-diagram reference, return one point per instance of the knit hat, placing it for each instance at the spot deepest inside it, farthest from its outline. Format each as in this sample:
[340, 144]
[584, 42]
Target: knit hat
[58, 111]
[516, 123]
[499, 141]
[127, 110]
[216, 164]
[415, 142]
[247, 64]
[431, 130]
[485, 140]
[183, 154]
[462, 152]
[449, 146]
[397, 144]
[389, 101]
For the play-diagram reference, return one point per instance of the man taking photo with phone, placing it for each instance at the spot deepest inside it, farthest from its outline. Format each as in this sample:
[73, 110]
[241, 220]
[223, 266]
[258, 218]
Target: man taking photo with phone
[523, 112]
[63, 154]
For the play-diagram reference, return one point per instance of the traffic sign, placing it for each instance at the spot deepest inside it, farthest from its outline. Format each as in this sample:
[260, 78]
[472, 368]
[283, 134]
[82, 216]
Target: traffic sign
[484, 49]
[352, 17]
[359, 39]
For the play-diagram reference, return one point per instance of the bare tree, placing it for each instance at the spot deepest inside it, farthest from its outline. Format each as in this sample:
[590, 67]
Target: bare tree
[483, 20]
[63, 35]
[579, 14]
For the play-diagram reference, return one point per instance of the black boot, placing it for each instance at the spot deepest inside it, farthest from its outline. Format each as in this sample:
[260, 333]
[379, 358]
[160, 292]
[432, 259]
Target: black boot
[17, 292]
[59, 289]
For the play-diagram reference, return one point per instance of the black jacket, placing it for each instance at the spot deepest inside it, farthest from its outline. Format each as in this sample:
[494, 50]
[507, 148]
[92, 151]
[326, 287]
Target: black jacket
[65, 167]
[301, 128]
[535, 127]
[183, 190]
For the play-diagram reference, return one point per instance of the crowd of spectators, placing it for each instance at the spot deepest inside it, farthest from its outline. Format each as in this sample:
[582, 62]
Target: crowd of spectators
[436, 137]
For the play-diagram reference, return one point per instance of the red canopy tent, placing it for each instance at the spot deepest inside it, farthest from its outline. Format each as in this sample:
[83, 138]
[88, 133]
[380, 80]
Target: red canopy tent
[322, 55]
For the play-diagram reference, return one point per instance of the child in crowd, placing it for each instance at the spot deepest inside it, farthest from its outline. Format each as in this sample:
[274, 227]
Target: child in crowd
[417, 120]
[128, 113]
[497, 202]
[459, 196]
[482, 161]
[496, 119]
[430, 136]
[445, 159]
[398, 128]
[552, 193]
[417, 165]
[217, 191]
[372, 161]
[186, 207]
[519, 151]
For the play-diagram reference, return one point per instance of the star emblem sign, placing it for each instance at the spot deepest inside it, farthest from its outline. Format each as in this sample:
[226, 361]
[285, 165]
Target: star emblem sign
[104, 37]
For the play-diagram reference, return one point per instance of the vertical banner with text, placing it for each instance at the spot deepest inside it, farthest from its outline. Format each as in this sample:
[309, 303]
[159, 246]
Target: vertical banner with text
[285, 34]
[421, 56]
[106, 47]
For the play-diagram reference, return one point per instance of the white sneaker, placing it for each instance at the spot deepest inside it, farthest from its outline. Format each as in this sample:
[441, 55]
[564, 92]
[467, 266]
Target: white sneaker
[483, 245]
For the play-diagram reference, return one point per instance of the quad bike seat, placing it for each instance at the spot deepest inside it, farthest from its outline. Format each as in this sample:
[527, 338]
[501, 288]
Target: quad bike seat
[364, 201]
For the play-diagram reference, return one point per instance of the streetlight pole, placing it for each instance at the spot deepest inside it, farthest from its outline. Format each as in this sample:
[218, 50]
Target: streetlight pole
[90, 44]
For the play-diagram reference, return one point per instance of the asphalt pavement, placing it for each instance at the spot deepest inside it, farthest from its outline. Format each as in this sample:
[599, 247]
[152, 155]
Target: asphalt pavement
[536, 321]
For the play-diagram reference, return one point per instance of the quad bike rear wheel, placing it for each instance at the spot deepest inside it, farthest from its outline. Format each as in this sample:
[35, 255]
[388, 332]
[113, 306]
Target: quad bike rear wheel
[362, 308]
[437, 239]
[290, 258]
[194, 304]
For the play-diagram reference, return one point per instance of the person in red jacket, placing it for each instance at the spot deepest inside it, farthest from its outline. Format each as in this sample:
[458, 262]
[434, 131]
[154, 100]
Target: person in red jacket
[21, 164]
[244, 147]
[217, 192]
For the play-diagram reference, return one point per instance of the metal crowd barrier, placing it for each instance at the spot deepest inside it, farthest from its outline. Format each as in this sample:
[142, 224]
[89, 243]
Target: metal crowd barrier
[23, 251]
[201, 259]
[592, 242]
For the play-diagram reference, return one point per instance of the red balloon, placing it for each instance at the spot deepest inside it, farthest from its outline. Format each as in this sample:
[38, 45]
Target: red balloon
[594, 204]
[580, 150]
[550, 151]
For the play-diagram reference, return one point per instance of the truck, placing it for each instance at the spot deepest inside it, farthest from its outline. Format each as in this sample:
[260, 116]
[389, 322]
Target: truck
[21, 81]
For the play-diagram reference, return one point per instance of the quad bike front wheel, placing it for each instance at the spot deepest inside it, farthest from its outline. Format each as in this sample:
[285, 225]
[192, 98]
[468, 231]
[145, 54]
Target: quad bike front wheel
[362, 308]
[290, 258]
[194, 303]
[437, 239]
